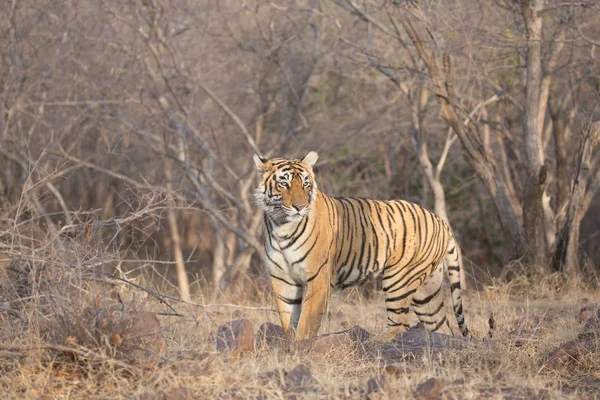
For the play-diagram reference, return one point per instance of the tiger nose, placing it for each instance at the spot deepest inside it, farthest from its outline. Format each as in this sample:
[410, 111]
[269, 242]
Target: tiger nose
[299, 207]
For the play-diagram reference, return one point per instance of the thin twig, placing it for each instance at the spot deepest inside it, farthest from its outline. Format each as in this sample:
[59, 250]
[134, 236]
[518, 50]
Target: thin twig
[232, 115]
[161, 297]
[61, 201]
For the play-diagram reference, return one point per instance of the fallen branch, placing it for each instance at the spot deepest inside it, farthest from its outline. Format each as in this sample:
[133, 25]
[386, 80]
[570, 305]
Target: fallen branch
[161, 297]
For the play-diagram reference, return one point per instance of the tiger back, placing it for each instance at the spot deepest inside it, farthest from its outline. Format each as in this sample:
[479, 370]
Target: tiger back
[314, 242]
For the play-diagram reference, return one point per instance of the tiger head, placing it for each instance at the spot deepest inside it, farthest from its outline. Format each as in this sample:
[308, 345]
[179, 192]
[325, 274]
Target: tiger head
[287, 188]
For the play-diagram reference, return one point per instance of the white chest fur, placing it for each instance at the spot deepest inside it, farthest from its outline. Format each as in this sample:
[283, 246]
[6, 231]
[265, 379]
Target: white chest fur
[288, 248]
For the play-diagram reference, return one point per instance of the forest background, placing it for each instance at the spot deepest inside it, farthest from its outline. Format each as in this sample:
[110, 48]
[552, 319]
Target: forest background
[129, 127]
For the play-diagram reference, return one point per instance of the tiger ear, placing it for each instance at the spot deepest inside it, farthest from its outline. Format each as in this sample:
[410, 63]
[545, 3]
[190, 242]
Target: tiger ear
[311, 159]
[261, 162]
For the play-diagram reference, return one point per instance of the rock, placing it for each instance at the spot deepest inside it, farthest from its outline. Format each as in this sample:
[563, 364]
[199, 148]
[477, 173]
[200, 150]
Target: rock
[178, 393]
[125, 330]
[269, 335]
[416, 343]
[592, 324]
[147, 396]
[142, 330]
[300, 376]
[418, 327]
[397, 370]
[591, 331]
[351, 339]
[231, 394]
[298, 381]
[430, 389]
[376, 385]
[587, 312]
[352, 392]
[566, 355]
[236, 336]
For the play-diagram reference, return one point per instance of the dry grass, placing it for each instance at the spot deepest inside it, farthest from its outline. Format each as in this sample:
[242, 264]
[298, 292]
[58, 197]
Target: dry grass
[191, 361]
[69, 331]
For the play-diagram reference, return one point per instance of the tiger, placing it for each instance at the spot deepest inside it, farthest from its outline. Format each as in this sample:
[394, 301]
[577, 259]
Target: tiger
[315, 243]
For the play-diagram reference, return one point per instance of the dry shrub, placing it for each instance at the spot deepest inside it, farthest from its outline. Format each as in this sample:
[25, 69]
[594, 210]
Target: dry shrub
[57, 288]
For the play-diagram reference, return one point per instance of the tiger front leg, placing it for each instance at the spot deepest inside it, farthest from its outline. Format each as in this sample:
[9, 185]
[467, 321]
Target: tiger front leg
[314, 304]
[288, 298]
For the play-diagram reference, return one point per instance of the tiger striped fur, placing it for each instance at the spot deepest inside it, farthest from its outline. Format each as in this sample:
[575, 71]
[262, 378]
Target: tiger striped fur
[315, 242]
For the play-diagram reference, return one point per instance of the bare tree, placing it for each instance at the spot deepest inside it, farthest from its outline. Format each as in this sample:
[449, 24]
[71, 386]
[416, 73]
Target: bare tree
[530, 222]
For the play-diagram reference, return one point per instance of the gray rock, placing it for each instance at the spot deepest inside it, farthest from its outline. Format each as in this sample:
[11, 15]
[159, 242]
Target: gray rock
[269, 335]
[236, 336]
[416, 343]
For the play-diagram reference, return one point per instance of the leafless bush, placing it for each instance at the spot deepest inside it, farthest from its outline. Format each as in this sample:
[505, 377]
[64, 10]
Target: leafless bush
[103, 97]
[55, 286]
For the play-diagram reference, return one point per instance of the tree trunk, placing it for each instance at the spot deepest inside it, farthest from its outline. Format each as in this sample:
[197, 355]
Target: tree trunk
[218, 265]
[566, 256]
[561, 129]
[182, 279]
[533, 23]
[533, 210]
[533, 220]
[420, 147]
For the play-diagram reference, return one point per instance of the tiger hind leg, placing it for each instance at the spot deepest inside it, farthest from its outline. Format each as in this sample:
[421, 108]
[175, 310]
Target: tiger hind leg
[398, 296]
[454, 266]
[428, 302]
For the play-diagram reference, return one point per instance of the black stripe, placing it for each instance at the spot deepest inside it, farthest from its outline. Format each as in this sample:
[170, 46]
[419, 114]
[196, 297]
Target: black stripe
[308, 252]
[401, 297]
[399, 310]
[284, 281]
[290, 301]
[349, 238]
[318, 271]
[299, 236]
[397, 323]
[341, 231]
[431, 314]
[405, 231]
[304, 222]
[273, 261]
[422, 239]
[388, 267]
[459, 311]
[363, 235]
[412, 272]
[369, 223]
[417, 228]
[438, 326]
[390, 212]
[375, 236]
[341, 280]
[427, 299]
